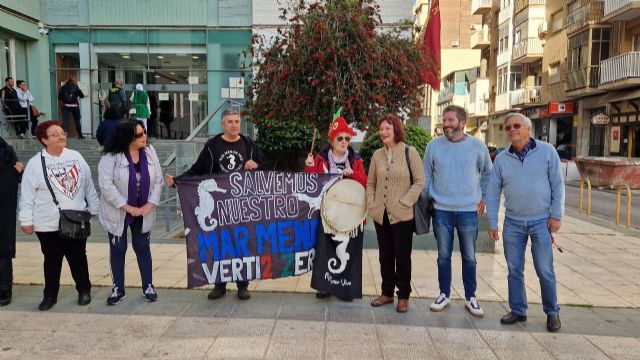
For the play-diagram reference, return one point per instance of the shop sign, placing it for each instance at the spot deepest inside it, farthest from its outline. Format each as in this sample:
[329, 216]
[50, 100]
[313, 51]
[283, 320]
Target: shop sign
[600, 119]
[560, 108]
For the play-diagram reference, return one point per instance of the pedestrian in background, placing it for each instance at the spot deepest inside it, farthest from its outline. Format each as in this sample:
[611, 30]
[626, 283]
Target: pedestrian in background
[70, 179]
[117, 98]
[130, 179]
[457, 169]
[26, 104]
[393, 187]
[107, 127]
[529, 174]
[10, 172]
[11, 105]
[68, 96]
[140, 106]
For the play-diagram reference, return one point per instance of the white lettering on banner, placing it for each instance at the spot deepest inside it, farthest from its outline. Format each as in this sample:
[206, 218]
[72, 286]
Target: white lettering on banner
[301, 266]
[224, 269]
[342, 281]
[236, 268]
[249, 268]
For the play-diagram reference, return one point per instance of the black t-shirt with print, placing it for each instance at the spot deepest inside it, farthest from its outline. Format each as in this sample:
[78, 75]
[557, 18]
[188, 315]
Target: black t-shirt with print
[231, 155]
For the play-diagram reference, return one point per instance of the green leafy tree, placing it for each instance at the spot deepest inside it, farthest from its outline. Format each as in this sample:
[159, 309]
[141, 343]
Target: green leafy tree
[332, 54]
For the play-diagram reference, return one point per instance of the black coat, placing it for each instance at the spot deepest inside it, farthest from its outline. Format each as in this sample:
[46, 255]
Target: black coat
[9, 178]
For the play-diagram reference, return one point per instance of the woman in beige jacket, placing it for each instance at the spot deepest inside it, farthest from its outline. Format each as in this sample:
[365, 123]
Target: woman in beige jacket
[391, 193]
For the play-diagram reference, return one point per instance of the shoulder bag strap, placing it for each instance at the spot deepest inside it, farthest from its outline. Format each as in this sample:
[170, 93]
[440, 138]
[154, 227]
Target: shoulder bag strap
[46, 180]
[406, 155]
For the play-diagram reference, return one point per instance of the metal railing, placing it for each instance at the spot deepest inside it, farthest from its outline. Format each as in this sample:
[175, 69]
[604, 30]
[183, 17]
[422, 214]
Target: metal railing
[581, 78]
[526, 95]
[582, 182]
[620, 67]
[10, 118]
[583, 14]
[611, 6]
[502, 102]
[503, 57]
[531, 46]
[618, 198]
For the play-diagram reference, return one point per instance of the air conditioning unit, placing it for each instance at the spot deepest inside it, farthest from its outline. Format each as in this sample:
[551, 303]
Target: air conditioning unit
[455, 43]
[543, 29]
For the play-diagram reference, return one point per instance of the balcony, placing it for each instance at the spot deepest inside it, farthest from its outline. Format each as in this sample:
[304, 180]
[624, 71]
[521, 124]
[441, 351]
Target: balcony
[503, 57]
[524, 4]
[621, 10]
[588, 77]
[505, 14]
[527, 50]
[480, 38]
[581, 15]
[456, 94]
[528, 95]
[481, 7]
[620, 71]
[478, 97]
[502, 102]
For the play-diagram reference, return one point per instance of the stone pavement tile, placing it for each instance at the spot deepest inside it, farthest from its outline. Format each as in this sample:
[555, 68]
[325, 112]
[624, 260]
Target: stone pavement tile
[16, 342]
[457, 338]
[569, 346]
[162, 308]
[350, 312]
[247, 327]
[346, 349]
[194, 327]
[238, 347]
[398, 335]
[443, 320]
[412, 351]
[617, 347]
[511, 340]
[312, 312]
[220, 308]
[144, 326]
[516, 354]
[452, 353]
[171, 348]
[259, 307]
[121, 346]
[295, 339]
[387, 315]
[69, 343]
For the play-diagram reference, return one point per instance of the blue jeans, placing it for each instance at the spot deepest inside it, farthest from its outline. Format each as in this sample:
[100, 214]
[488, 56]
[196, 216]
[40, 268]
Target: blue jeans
[118, 250]
[466, 225]
[515, 235]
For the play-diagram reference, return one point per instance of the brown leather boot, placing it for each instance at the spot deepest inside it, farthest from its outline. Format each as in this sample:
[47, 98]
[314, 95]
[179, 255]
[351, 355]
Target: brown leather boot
[382, 300]
[403, 305]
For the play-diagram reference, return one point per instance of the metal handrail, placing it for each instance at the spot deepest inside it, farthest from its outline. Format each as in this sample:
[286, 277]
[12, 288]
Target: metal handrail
[618, 198]
[582, 182]
[201, 126]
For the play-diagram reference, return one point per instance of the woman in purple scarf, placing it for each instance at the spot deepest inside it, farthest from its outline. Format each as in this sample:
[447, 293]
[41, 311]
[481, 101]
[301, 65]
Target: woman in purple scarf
[130, 180]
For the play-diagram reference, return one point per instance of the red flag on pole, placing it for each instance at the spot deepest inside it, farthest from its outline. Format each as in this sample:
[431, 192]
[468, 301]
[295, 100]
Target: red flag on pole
[431, 50]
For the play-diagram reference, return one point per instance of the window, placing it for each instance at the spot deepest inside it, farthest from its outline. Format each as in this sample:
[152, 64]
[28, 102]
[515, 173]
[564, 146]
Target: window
[636, 43]
[599, 46]
[554, 74]
[557, 22]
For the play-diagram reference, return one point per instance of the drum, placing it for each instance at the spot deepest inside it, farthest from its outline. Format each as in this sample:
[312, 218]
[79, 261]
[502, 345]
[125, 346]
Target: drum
[344, 208]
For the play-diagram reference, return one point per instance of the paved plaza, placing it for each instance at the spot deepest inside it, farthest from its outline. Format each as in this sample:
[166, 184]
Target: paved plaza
[598, 289]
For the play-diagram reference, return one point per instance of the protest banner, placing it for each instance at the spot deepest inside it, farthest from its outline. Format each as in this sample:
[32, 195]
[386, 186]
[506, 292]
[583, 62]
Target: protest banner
[250, 224]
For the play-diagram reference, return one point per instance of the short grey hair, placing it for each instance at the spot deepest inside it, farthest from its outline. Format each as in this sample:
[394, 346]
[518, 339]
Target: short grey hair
[229, 112]
[525, 120]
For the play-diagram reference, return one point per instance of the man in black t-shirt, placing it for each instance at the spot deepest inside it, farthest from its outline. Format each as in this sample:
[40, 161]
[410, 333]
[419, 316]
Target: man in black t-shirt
[228, 152]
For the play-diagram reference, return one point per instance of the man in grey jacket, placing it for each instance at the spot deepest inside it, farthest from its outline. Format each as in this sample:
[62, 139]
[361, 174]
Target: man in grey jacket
[530, 176]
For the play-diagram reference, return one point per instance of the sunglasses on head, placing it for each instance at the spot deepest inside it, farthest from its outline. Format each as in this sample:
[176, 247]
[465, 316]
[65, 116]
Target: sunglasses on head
[515, 126]
[346, 138]
[139, 135]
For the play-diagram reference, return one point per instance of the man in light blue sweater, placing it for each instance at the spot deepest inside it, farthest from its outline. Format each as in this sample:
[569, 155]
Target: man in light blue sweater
[457, 169]
[530, 175]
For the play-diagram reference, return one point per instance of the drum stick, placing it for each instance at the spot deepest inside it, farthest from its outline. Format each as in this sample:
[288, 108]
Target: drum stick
[313, 142]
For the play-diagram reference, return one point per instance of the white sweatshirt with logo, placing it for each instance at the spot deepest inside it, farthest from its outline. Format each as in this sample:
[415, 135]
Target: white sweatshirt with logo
[70, 179]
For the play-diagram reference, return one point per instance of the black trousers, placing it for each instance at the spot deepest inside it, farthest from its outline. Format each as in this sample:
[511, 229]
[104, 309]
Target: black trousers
[6, 274]
[394, 244]
[54, 248]
[22, 125]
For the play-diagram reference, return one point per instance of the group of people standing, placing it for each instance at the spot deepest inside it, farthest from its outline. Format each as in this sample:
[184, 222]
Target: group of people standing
[456, 174]
[17, 105]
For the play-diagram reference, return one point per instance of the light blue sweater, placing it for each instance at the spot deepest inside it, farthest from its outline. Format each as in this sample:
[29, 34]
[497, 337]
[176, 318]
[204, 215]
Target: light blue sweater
[456, 173]
[533, 189]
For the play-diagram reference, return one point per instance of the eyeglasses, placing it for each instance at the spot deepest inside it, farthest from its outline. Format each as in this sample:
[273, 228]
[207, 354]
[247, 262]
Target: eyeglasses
[139, 135]
[57, 135]
[346, 138]
[515, 126]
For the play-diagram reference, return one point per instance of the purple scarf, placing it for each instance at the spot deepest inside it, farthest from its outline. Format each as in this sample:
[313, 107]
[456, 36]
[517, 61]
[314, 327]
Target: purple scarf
[132, 196]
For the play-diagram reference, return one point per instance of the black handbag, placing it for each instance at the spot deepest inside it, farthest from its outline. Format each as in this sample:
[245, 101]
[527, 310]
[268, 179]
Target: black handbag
[73, 224]
[422, 209]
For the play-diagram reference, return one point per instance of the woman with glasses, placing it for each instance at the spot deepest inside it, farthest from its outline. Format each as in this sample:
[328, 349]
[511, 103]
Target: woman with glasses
[130, 180]
[69, 176]
[338, 158]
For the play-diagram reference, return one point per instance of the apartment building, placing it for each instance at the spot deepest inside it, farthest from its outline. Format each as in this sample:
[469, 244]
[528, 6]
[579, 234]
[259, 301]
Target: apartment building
[459, 52]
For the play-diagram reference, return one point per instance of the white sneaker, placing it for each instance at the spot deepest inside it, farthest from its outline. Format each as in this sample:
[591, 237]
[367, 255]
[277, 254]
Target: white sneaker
[474, 308]
[440, 303]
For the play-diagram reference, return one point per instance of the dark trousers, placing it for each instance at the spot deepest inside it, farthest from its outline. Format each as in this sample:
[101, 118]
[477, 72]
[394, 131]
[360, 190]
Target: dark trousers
[54, 248]
[6, 274]
[75, 111]
[118, 250]
[394, 245]
[22, 125]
